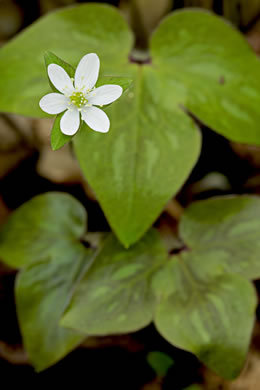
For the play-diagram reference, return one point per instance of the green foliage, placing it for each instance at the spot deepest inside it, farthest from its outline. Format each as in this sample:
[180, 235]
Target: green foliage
[160, 362]
[211, 317]
[43, 291]
[200, 299]
[205, 306]
[58, 139]
[114, 296]
[51, 58]
[41, 227]
[227, 229]
[42, 237]
[145, 158]
[152, 144]
[213, 70]
[70, 34]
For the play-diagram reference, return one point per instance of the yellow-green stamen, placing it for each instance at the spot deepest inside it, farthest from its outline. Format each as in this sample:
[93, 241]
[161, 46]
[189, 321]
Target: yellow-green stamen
[78, 99]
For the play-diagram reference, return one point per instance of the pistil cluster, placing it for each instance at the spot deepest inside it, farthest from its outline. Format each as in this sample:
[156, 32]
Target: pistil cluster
[78, 99]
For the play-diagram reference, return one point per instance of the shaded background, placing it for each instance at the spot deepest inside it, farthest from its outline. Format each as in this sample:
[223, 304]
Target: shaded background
[29, 167]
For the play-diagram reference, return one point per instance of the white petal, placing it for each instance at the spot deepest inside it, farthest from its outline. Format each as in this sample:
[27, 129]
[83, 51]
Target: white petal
[60, 79]
[54, 103]
[69, 123]
[105, 94]
[87, 71]
[96, 119]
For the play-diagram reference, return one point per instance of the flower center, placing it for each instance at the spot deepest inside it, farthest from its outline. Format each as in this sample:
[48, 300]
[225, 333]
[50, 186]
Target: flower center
[78, 99]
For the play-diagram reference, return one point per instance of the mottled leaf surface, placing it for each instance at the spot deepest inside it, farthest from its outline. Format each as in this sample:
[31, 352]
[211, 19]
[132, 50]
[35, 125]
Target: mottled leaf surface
[228, 229]
[41, 227]
[211, 316]
[43, 291]
[114, 296]
[206, 304]
[42, 237]
[150, 142]
[216, 69]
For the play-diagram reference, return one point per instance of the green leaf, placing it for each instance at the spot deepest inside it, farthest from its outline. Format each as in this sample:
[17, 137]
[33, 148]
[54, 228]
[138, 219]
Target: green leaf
[216, 69]
[43, 291]
[211, 317]
[148, 153]
[205, 306]
[42, 236]
[58, 139]
[114, 295]
[70, 33]
[40, 228]
[51, 58]
[160, 363]
[228, 229]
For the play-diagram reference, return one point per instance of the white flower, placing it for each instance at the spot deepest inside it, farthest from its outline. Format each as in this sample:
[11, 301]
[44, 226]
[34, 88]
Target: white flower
[79, 96]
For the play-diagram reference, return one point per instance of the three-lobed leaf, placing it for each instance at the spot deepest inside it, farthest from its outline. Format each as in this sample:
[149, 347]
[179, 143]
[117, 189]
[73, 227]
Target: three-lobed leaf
[205, 304]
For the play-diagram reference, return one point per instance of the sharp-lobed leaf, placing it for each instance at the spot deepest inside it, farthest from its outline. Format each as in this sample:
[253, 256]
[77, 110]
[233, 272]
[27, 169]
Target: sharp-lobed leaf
[205, 304]
[216, 68]
[43, 291]
[228, 229]
[114, 296]
[211, 317]
[41, 227]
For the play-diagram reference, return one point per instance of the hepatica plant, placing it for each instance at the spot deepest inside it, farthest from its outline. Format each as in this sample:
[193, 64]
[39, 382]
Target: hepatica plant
[200, 299]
